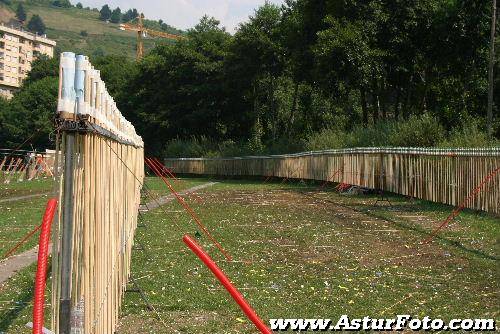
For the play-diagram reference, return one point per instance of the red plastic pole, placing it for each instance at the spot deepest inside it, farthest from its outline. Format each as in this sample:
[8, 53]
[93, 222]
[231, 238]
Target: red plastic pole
[245, 307]
[41, 272]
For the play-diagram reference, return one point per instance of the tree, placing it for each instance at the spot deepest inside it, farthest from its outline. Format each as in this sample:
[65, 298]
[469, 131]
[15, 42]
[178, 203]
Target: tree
[256, 61]
[41, 68]
[61, 3]
[105, 13]
[179, 89]
[130, 15]
[21, 12]
[32, 107]
[4, 111]
[116, 15]
[116, 72]
[36, 25]
[79, 5]
[491, 68]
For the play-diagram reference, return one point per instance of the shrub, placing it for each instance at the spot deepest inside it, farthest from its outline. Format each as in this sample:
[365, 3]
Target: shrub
[327, 139]
[469, 134]
[84, 33]
[190, 148]
[61, 3]
[417, 131]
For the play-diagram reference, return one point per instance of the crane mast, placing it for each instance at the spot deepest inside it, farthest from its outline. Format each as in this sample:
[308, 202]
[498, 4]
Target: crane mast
[142, 32]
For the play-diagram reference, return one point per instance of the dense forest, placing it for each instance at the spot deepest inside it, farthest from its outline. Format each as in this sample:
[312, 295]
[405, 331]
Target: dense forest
[308, 75]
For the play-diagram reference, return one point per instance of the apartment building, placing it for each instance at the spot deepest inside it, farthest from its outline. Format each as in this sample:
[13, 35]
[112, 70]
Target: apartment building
[18, 49]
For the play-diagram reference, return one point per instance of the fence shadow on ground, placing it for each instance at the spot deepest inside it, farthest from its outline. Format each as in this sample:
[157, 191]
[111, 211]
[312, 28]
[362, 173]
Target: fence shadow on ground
[407, 226]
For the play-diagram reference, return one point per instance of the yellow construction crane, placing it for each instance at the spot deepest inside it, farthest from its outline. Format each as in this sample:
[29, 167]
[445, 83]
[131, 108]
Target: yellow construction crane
[144, 32]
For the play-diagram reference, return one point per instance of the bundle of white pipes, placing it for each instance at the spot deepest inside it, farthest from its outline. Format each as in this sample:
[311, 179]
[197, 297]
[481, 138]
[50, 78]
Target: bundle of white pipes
[82, 94]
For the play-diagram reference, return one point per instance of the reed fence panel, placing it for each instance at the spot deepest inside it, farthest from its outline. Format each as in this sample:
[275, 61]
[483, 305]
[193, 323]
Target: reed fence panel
[439, 175]
[102, 176]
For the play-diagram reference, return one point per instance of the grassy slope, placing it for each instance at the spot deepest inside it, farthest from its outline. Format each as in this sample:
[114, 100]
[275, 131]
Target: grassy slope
[64, 25]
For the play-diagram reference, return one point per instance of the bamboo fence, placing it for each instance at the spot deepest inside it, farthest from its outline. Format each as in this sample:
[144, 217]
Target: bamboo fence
[99, 199]
[439, 175]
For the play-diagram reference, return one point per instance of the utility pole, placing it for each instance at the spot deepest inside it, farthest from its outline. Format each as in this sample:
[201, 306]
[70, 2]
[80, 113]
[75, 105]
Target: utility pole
[490, 68]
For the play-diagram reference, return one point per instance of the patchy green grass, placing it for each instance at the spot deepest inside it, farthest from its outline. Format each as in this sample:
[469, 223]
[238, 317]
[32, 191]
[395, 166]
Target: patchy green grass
[20, 216]
[24, 188]
[16, 306]
[301, 253]
[17, 219]
[306, 254]
[157, 188]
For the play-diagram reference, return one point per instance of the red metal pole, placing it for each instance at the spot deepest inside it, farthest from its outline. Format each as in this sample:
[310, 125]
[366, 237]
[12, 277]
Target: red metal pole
[41, 272]
[245, 307]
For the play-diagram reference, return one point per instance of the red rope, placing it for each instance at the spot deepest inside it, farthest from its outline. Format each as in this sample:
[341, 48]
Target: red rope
[23, 240]
[188, 209]
[166, 171]
[459, 209]
[332, 177]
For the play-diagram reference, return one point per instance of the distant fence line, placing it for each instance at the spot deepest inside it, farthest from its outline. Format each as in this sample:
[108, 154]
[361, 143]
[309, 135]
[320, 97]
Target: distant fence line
[17, 165]
[440, 175]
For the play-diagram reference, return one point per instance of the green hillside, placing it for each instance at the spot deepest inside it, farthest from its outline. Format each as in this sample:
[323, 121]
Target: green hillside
[79, 30]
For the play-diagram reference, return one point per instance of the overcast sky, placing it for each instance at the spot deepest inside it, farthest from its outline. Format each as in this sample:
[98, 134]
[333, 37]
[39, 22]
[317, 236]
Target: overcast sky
[186, 13]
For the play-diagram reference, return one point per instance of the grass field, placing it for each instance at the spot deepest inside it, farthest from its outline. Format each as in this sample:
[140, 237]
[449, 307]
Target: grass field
[19, 215]
[306, 254]
[65, 25]
[24, 188]
[300, 253]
